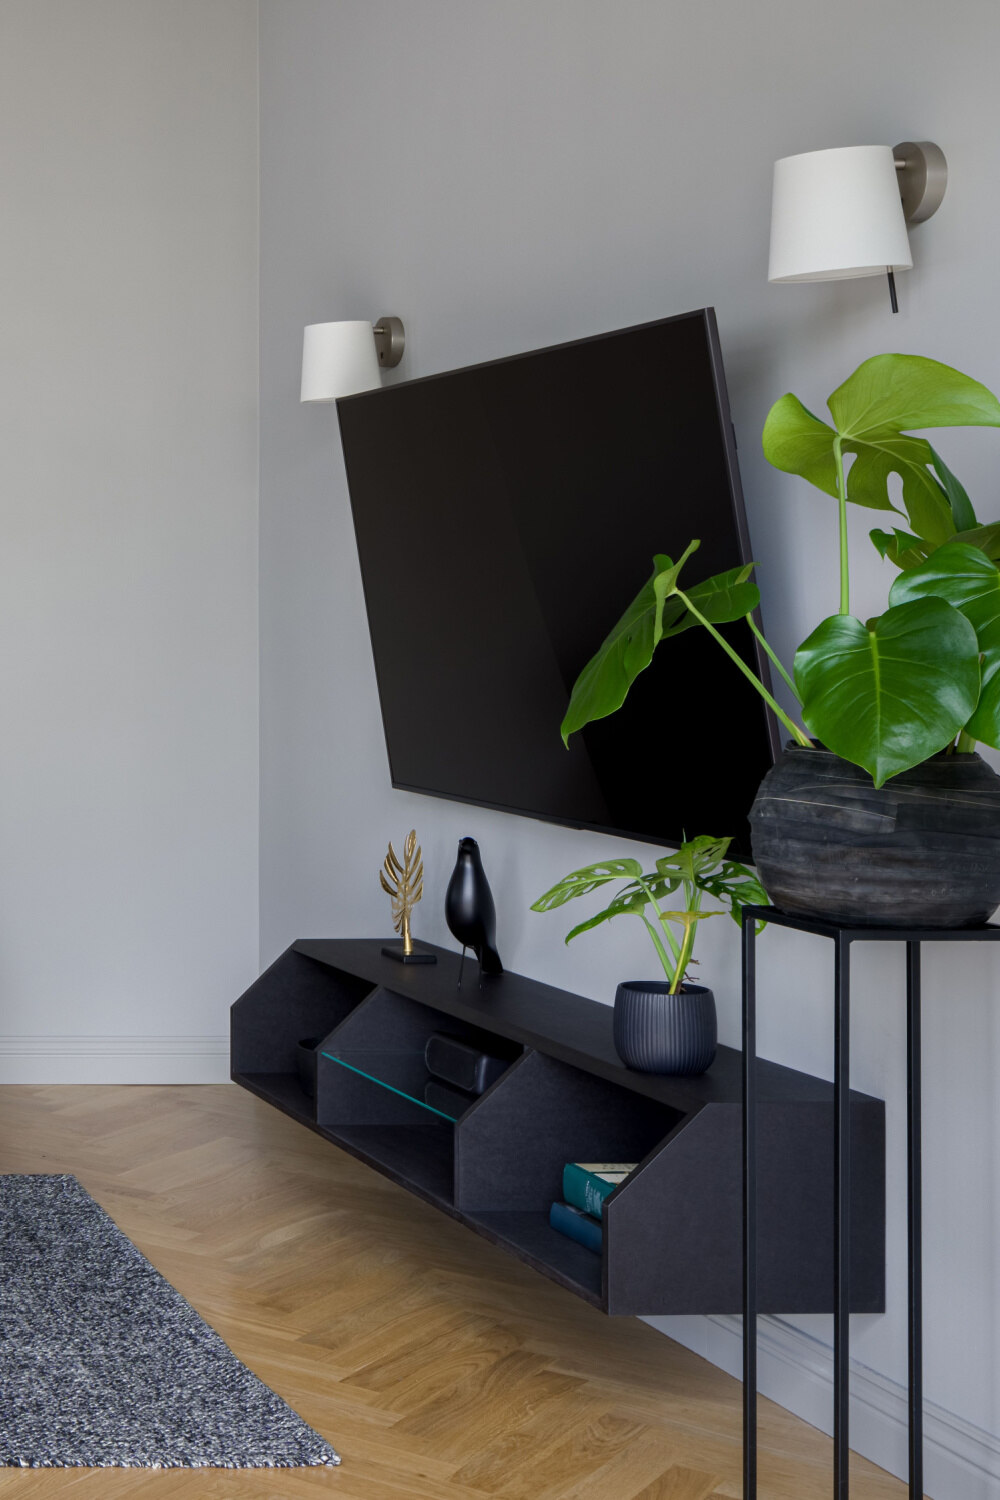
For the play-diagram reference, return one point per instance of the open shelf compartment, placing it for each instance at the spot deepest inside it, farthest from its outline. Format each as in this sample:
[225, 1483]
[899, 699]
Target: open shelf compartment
[296, 998]
[417, 1156]
[383, 1042]
[511, 1149]
[370, 1090]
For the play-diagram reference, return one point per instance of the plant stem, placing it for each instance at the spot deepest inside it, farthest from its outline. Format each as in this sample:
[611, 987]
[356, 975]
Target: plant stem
[664, 926]
[682, 962]
[966, 743]
[845, 583]
[664, 960]
[692, 903]
[793, 729]
[775, 662]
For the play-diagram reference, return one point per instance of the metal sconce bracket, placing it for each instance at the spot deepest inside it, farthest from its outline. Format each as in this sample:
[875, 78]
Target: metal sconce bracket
[922, 172]
[390, 340]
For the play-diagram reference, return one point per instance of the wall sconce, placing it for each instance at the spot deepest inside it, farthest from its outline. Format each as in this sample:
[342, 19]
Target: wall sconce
[843, 213]
[339, 359]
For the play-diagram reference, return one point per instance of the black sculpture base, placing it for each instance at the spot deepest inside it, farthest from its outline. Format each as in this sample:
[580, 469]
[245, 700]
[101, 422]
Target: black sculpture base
[418, 955]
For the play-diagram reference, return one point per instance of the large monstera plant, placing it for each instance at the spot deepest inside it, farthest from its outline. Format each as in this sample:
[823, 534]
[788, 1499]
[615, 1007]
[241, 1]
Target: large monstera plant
[885, 693]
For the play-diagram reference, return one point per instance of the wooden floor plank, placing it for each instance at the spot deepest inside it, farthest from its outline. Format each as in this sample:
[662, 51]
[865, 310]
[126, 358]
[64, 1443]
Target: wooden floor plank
[440, 1367]
[579, 1456]
[680, 1483]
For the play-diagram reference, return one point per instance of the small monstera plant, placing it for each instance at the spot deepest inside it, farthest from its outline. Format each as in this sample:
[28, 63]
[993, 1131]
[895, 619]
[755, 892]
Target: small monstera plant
[698, 868]
[885, 693]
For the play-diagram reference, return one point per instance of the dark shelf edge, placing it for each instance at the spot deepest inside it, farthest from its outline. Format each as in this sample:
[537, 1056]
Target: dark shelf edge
[385, 1169]
[491, 1009]
[482, 1227]
[250, 1082]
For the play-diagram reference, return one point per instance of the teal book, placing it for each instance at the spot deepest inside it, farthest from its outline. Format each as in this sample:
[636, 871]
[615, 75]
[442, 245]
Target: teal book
[576, 1225]
[586, 1184]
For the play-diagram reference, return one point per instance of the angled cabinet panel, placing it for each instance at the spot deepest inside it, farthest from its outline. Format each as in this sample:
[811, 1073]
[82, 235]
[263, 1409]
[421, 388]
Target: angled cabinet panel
[296, 997]
[674, 1229]
[512, 1146]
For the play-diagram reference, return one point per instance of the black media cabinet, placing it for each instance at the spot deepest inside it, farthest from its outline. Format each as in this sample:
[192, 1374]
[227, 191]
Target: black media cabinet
[672, 1230]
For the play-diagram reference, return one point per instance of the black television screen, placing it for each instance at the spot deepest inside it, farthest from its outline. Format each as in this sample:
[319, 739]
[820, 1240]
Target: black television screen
[506, 514]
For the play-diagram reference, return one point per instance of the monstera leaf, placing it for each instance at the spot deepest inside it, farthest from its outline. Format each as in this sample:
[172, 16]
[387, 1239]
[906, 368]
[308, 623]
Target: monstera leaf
[985, 722]
[735, 887]
[873, 414]
[699, 866]
[721, 599]
[590, 878]
[967, 578]
[657, 611]
[961, 506]
[694, 858]
[901, 547]
[889, 694]
[632, 902]
[702, 861]
[908, 551]
[602, 686]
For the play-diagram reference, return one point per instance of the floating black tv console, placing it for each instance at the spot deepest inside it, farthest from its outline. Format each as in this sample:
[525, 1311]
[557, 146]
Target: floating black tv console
[672, 1237]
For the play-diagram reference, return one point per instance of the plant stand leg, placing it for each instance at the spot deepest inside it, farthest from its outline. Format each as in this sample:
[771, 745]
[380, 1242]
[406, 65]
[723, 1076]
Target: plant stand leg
[749, 1209]
[914, 1264]
[842, 1221]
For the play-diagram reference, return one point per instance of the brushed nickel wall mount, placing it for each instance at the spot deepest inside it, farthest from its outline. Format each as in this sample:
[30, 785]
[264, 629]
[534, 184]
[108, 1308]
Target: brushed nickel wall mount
[922, 173]
[390, 341]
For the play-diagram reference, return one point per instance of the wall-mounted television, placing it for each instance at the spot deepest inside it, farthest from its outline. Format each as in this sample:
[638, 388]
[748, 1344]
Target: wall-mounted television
[506, 514]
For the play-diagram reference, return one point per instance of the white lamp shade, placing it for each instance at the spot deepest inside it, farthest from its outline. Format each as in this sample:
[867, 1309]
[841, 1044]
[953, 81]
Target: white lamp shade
[837, 214]
[338, 359]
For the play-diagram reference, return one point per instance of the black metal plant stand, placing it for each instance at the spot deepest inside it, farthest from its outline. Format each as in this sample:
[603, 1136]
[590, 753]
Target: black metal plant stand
[842, 938]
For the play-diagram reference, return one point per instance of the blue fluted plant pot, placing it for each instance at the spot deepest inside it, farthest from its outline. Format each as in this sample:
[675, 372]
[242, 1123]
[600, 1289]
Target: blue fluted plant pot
[657, 1032]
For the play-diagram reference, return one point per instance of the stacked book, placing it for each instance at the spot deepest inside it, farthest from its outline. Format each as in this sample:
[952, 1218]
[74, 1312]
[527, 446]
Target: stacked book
[585, 1186]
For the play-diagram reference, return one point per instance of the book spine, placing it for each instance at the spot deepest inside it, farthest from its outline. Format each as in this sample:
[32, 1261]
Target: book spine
[585, 1189]
[576, 1226]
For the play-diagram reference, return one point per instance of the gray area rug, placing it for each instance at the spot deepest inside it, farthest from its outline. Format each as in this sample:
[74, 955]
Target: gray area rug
[103, 1363]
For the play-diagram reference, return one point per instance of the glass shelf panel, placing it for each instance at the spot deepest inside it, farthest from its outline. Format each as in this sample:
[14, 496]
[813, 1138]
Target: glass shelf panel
[402, 1073]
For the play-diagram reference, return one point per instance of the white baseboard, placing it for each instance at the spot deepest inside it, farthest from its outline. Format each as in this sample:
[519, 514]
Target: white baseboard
[961, 1462]
[114, 1059]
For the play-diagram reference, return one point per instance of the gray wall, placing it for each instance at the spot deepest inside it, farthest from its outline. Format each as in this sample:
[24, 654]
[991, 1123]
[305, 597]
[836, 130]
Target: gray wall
[508, 175]
[128, 570]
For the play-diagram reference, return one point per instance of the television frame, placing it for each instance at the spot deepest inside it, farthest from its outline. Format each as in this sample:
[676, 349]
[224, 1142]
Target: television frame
[738, 509]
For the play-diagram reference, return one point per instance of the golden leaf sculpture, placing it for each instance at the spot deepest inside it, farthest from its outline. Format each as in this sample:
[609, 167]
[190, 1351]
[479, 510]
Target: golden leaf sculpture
[404, 883]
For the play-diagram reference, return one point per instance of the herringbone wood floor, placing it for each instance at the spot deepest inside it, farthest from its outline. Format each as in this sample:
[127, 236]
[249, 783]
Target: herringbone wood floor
[439, 1367]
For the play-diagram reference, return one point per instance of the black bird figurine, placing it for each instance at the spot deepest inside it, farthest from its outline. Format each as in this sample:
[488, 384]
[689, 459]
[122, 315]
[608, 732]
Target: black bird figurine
[470, 912]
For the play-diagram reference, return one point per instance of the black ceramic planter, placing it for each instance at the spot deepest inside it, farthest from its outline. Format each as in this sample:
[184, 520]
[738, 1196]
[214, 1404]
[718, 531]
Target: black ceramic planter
[921, 851]
[657, 1032]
